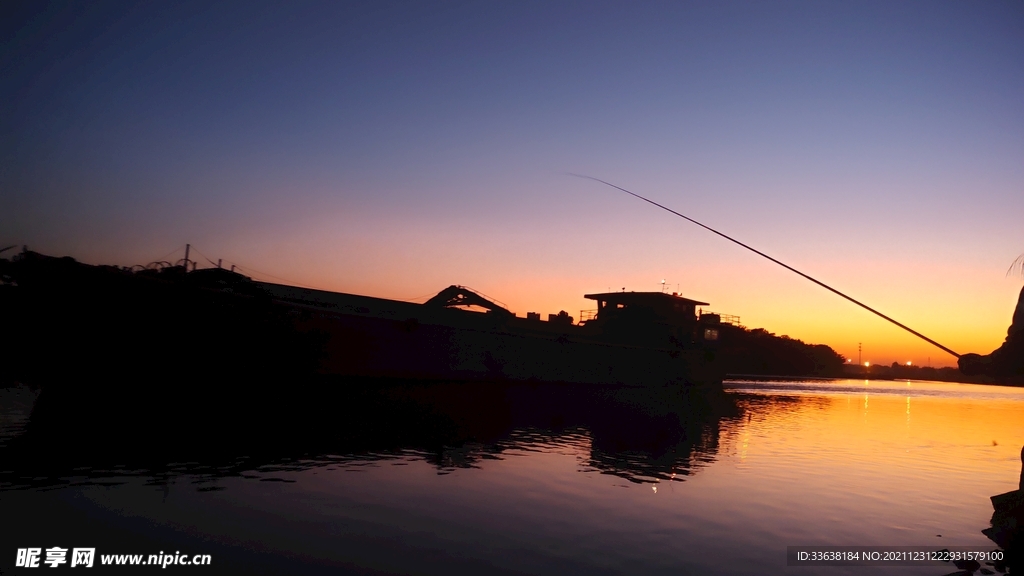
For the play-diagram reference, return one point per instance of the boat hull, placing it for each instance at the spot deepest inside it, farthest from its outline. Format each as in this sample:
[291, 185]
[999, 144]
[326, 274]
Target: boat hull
[383, 338]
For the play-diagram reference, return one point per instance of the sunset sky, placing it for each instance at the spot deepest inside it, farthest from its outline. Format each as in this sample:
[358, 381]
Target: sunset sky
[392, 149]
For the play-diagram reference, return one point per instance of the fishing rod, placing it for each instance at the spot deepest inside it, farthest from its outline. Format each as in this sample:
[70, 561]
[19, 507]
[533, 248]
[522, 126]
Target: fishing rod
[784, 265]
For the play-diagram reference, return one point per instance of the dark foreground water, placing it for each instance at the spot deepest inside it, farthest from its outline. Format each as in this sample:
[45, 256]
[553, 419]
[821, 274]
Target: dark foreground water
[483, 479]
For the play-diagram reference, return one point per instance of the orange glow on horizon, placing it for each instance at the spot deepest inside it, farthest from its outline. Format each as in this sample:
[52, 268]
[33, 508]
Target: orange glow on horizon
[549, 272]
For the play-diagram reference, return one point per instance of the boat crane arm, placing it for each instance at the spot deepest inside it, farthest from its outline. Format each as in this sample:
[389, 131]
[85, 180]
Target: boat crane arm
[455, 295]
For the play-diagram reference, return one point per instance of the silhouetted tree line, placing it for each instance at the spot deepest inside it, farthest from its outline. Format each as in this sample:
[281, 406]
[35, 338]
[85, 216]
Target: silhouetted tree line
[65, 322]
[760, 352]
[899, 371]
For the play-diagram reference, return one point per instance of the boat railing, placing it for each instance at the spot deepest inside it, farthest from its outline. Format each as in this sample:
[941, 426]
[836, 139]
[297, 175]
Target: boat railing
[725, 318]
[587, 315]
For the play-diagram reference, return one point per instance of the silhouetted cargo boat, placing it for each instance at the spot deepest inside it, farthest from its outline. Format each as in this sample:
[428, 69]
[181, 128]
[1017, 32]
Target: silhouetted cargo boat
[68, 319]
[635, 338]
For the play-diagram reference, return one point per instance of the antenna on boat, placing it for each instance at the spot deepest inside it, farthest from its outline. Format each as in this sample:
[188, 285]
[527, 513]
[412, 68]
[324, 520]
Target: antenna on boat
[786, 266]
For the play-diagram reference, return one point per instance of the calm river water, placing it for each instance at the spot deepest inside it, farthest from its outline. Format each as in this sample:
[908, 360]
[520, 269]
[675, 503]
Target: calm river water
[457, 479]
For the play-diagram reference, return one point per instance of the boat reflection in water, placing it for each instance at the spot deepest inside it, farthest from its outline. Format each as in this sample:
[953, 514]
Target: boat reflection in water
[470, 478]
[639, 434]
[99, 467]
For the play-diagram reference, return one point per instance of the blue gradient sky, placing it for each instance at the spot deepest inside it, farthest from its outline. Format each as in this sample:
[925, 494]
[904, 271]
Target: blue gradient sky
[395, 148]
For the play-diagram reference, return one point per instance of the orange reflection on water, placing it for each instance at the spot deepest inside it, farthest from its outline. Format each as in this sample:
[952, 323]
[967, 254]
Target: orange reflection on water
[913, 459]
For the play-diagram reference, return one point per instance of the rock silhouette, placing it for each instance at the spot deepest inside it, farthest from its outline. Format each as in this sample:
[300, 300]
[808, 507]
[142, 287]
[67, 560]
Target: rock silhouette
[1007, 361]
[1007, 529]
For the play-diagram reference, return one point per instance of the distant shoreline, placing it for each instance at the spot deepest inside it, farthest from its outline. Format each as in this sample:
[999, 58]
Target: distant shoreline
[888, 373]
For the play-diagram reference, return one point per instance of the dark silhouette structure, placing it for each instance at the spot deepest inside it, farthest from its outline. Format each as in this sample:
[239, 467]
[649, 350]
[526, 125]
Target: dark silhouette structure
[67, 321]
[453, 296]
[69, 324]
[1007, 524]
[1007, 361]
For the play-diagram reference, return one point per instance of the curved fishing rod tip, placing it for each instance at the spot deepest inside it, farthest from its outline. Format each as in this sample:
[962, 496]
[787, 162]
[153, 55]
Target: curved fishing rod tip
[576, 175]
[607, 183]
[588, 177]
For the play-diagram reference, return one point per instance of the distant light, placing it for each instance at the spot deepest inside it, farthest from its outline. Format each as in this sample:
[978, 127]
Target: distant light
[909, 363]
[867, 363]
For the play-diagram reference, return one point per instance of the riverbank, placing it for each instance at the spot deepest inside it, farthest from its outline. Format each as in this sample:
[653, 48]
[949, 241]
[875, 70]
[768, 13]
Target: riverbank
[886, 373]
[944, 374]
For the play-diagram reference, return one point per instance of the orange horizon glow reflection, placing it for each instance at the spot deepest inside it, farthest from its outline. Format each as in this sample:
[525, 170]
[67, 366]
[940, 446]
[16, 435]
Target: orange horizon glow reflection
[921, 457]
